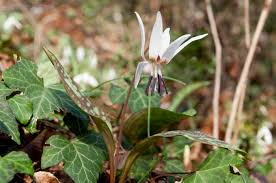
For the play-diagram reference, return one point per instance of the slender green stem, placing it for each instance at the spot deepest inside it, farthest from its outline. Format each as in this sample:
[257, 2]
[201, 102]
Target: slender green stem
[173, 79]
[149, 106]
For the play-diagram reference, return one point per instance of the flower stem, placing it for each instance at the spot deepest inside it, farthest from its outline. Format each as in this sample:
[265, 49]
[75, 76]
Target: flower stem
[148, 122]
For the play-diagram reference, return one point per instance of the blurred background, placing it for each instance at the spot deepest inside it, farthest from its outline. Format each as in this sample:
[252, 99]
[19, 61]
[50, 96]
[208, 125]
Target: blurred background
[100, 40]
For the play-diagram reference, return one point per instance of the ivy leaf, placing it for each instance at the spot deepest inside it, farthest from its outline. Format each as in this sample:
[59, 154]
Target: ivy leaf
[142, 168]
[82, 161]
[22, 75]
[44, 101]
[4, 91]
[21, 107]
[48, 73]
[8, 124]
[12, 163]
[138, 100]
[160, 119]
[173, 166]
[217, 168]
[117, 94]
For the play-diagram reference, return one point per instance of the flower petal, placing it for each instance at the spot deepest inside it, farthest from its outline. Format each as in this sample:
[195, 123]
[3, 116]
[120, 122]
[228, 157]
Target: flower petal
[142, 33]
[165, 41]
[156, 35]
[188, 42]
[139, 71]
[169, 53]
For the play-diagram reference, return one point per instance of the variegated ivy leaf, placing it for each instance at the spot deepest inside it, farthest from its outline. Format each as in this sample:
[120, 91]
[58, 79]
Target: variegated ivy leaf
[12, 163]
[82, 161]
[8, 124]
[22, 75]
[4, 90]
[21, 106]
[138, 100]
[217, 168]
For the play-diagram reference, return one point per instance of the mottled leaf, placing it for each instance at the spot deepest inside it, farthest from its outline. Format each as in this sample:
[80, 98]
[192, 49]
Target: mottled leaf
[21, 107]
[12, 163]
[97, 115]
[8, 124]
[82, 161]
[135, 127]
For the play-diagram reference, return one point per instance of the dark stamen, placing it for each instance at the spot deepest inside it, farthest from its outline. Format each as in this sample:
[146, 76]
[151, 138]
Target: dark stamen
[164, 85]
[159, 84]
[153, 85]
[148, 85]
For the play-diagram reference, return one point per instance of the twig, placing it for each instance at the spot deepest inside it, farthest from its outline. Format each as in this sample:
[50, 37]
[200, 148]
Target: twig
[218, 49]
[245, 70]
[247, 23]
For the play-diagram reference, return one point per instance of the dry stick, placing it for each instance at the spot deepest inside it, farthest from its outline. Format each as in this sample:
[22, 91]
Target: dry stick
[218, 49]
[247, 23]
[247, 44]
[245, 71]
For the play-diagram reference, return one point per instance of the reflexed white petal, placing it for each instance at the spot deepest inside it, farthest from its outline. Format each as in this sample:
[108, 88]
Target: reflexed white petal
[165, 41]
[138, 72]
[156, 35]
[142, 33]
[170, 52]
[188, 42]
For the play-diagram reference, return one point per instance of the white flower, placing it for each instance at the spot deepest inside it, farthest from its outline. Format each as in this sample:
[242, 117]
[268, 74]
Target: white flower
[264, 136]
[10, 23]
[161, 51]
[80, 54]
[86, 78]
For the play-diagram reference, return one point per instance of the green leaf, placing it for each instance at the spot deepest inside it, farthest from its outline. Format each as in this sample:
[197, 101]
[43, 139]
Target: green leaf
[142, 168]
[184, 92]
[173, 166]
[21, 106]
[117, 94]
[4, 90]
[43, 99]
[135, 127]
[48, 73]
[65, 102]
[22, 75]
[8, 124]
[138, 100]
[12, 163]
[217, 168]
[82, 161]
[143, 145]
